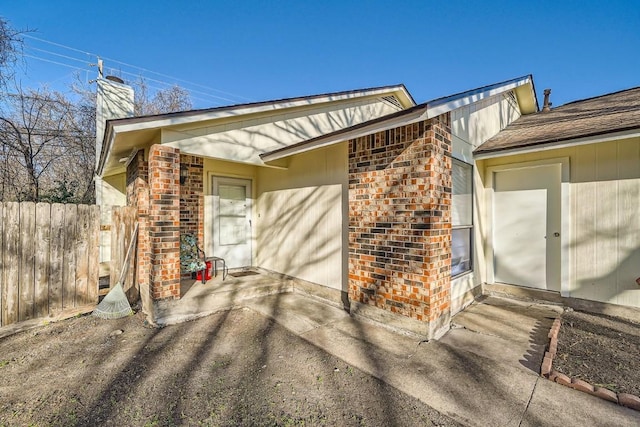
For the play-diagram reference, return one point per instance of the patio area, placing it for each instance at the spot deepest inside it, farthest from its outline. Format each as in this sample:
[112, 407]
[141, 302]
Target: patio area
[198, 299]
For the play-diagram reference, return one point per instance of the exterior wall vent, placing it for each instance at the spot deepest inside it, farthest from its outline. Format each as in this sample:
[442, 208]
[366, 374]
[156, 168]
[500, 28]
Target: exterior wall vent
[391, 99]
[511, 96]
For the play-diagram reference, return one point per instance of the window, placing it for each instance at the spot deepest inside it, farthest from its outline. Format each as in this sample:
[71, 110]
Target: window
[461, 217]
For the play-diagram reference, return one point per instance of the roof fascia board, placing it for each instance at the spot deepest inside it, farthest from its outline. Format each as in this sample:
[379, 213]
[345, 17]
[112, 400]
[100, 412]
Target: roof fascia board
[444, 105]
[104, 153]
[401, 88]
[533, 93]
[127, 125]
[240, 110]
[632, 133]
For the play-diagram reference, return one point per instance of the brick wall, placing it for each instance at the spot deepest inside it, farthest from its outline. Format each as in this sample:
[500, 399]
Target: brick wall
[164, 221]
[400, 221]
[192, 197]
[138, 196]
[166, 208]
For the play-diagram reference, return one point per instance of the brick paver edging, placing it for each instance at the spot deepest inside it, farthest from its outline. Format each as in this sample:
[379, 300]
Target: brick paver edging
[624, 399]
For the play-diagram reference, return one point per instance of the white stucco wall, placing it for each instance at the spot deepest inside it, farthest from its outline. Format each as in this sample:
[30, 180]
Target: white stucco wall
[603, 220]
[301, 217]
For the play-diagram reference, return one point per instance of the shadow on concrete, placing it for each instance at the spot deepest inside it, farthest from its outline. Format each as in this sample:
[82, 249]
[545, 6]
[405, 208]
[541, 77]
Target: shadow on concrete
[538, 340]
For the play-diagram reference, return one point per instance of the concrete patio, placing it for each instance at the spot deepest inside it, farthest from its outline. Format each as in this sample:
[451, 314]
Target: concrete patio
[483, 372]
[217, 294]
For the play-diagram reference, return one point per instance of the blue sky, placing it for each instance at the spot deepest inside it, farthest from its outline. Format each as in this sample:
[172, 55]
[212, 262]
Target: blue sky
[260, 50]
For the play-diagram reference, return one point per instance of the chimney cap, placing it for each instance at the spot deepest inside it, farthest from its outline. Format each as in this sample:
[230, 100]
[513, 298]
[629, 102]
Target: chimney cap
[115, 79]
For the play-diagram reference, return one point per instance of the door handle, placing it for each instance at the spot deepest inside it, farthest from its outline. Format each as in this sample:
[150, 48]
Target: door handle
[556, 234]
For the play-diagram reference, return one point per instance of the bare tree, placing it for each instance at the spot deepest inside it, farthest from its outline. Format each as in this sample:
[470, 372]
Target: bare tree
[172, 99]
[84, 129]
[47, 139]
[10, 51]
[44, 148]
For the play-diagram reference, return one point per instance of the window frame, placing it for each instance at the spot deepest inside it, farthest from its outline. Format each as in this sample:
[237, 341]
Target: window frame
[469, 226]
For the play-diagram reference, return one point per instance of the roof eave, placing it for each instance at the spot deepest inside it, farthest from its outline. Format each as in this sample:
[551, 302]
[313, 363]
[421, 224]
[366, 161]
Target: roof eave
[116, 126]
[403, 89]
[405, 117]
[107, 141]
[186, 117]
[424, 111]
[452, 102]
[560, 143]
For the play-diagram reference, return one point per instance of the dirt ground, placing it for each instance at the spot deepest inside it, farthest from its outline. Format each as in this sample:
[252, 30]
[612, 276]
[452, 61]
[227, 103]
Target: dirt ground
[231, 369]
[601, 350]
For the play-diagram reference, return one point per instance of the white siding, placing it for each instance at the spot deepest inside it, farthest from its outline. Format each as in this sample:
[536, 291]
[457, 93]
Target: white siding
[604, 249]
[474, 124]
[467, 282]
[301, 217]
[606, 227]
[471, 126]
[113, 101]
[245, 140]
[110, 191]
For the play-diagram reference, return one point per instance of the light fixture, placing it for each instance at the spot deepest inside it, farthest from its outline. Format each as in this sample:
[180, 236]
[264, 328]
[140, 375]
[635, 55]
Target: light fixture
[129, 158]
[184, 173]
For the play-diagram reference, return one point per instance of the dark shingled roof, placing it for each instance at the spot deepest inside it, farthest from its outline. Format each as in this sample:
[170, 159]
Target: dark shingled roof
[604, 114]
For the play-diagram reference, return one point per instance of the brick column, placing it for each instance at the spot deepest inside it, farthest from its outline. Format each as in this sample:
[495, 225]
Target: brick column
[138, 196]
[400, 226]
[192, 197]
[164, 221]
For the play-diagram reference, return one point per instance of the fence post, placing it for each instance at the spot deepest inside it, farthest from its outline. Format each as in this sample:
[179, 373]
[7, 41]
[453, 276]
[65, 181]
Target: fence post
[69, 271]
[2, 264]
[56, 265]
[11, 263]
[26, 303]
[94, 254]
[82, 254]
[43, 249]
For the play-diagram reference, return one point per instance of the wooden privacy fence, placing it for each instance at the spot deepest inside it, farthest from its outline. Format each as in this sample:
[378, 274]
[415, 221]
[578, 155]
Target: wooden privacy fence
[49, 259]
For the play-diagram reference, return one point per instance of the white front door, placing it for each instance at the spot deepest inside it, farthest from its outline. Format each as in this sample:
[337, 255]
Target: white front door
[232, 221]
[526, 226]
